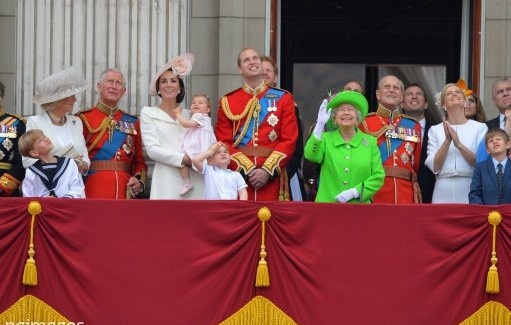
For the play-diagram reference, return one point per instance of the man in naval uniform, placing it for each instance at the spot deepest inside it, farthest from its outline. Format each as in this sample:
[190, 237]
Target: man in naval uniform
[12, 172]
[399, 140]
[258, 123]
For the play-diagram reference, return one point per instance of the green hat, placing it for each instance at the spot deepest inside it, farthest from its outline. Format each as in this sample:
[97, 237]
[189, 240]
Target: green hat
[348, 97]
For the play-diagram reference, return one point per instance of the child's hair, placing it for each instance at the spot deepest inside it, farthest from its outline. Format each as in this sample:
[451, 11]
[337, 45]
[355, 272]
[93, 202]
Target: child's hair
[495, 132]
[208, 101]
[27, 140]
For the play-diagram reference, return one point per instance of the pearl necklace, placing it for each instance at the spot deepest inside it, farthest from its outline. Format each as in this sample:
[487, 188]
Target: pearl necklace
[57, 120]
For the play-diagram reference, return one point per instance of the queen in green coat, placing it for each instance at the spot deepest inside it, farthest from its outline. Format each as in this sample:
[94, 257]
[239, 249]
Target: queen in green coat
[351, 167]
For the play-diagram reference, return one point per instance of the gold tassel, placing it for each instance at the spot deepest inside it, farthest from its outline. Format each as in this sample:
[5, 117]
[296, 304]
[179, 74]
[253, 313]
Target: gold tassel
[30, 272]
[492, 280]
[263, 275]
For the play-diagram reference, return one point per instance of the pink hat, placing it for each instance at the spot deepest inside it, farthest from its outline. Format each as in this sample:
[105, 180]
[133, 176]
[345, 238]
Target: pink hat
[180, 65]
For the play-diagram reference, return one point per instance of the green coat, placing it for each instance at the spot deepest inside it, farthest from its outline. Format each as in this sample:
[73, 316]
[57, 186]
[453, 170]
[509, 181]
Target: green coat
[346, 165]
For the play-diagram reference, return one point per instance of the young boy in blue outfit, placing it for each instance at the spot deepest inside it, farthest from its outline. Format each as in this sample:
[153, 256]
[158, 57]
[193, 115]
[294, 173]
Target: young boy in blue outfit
[491, 183]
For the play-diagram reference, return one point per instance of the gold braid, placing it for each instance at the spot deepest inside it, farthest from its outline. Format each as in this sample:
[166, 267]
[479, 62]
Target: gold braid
[228, 113]
[101, 129]
[252, 108]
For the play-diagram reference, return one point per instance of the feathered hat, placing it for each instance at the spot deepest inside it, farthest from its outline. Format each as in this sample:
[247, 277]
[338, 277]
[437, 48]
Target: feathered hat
[181, 66]
[62, 84]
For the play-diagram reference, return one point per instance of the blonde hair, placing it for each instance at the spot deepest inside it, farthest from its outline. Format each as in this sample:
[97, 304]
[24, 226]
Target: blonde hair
[208, 101]
[26, 142]
[440, 97]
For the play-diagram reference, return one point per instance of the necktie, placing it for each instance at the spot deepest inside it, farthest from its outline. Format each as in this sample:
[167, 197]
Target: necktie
[500, 177]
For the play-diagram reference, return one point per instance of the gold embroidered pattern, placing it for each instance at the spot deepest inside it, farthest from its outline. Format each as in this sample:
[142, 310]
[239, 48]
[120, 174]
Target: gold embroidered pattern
[251, 111]
[271, 163]
[243, 162]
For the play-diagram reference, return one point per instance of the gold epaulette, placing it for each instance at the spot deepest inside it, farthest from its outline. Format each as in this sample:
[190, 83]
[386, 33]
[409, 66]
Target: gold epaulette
[243, 162]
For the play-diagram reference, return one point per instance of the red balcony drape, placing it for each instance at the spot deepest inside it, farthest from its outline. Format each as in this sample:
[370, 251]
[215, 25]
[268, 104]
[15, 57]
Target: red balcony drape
[194, 262]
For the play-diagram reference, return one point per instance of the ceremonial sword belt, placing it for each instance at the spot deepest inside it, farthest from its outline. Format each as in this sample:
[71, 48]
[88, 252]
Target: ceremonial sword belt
[400, 172]
[112, 165]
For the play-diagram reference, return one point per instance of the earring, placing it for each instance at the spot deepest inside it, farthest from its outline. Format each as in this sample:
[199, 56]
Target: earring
[179, 91]
[158, 92]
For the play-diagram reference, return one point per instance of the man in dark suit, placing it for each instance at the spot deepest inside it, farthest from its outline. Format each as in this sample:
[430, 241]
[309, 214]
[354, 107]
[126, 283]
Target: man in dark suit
[414, 105]
[501, 96]
[491, 180]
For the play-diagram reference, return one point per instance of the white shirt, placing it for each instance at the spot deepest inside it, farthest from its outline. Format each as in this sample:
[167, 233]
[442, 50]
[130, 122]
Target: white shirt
[221, 183]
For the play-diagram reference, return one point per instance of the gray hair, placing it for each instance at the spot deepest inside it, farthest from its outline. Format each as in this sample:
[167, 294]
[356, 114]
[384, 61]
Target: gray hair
[357, 112]
[101, 78]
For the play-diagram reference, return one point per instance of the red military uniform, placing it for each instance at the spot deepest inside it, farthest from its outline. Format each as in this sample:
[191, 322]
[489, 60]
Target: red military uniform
[12, 172]
[115, 149]
[400, 148]
[259, 125]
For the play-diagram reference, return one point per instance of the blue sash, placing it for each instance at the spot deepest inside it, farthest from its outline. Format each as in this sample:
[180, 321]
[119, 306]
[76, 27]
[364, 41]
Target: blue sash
[108, 150]
[269, 99]
[394, 143]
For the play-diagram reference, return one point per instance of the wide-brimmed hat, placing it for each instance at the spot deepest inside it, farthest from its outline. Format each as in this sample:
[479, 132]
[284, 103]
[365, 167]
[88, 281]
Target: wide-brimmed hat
[181, 66]
[62, 84]
[354, 98]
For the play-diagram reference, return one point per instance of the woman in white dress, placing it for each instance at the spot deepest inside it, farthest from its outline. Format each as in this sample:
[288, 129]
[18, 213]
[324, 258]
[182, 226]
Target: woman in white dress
[161, 132]
[57, 95]
[452, 146]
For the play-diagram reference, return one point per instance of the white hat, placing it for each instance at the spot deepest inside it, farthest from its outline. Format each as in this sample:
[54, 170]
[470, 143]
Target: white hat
[62, 84]
[180, 65]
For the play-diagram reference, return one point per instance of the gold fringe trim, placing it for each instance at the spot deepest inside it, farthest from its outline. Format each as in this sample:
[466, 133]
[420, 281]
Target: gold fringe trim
[32, 310]
[30, 271]
[492, 280]
[251, 111]
[284, 186]
[259, 311]
[262, 274]
[492, 313]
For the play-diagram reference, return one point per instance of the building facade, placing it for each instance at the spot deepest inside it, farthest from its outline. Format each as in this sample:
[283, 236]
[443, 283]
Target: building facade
[138, 36]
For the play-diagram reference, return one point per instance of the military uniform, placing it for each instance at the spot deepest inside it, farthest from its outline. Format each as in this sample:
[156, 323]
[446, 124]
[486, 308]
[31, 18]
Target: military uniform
[114, 143]
[11, 167]
[400, 149]
[259, 126]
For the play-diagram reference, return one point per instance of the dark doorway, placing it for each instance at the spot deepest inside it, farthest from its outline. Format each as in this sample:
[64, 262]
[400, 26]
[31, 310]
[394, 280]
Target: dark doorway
[370, 34]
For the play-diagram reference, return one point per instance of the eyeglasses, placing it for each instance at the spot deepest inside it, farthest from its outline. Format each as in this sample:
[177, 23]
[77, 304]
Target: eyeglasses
[346, 109]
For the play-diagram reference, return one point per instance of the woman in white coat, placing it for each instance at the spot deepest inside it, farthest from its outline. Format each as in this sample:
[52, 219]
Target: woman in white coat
[57, 95]
[161, 132]
[452, 146]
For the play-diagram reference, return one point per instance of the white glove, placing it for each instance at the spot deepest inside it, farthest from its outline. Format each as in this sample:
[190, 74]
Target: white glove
[347, 195]
[323, 117]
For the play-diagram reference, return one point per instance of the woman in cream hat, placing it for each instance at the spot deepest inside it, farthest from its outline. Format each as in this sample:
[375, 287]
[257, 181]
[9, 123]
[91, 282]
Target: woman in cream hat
[161, 132]
[351, 168]
[57, 95]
